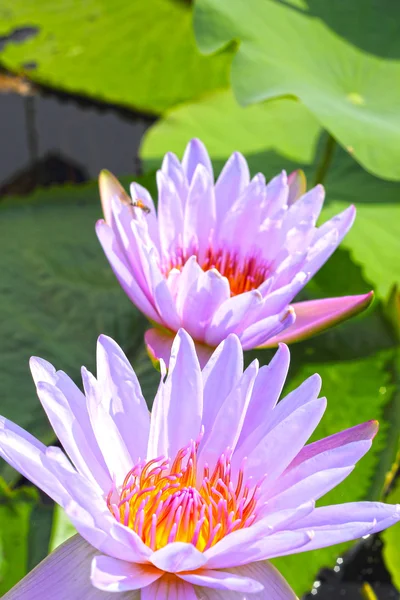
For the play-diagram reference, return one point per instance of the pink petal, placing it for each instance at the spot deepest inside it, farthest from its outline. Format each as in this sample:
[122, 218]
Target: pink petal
[169, 588]
[344, 522]
[177, 557]
[200, 213]
[233, 315]
[188, 277]
[122, 271]
[307, 209]
[232, 181]
[72, 435]
[103, 532]
[109, 437]
[170, 213]
[277, 195]
[138, 192]
[113, 575]
[310, 487]
[297, 185]
[307, 392]
[273, 454]
[220, 375]
[76, 403]
[195, 154]
[65, 575]
[121, 389]
[253, 544]
[228, 422]
[25, 453]
[175, 422]
[173, 169]
[162, 297]
[221, 580]
[241, 223]
[266, 391]
[203, 299]
[327, 238]
[159, 344]
[314, 316]
[258, 332]
[350, 440]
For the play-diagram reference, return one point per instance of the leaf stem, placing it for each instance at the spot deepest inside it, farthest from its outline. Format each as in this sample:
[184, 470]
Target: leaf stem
[326, 160]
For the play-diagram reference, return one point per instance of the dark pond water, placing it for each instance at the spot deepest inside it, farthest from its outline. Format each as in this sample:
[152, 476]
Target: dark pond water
[49, 138]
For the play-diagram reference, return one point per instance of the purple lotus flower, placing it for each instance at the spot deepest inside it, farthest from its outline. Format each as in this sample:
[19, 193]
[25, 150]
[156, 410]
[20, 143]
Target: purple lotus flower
[192, 501]
[224, 258]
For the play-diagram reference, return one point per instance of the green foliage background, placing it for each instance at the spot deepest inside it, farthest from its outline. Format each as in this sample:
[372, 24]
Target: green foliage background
[301, 83]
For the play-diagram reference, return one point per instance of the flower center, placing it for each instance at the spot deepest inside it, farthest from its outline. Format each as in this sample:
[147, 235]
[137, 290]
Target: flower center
[243, 273]
[164, 502]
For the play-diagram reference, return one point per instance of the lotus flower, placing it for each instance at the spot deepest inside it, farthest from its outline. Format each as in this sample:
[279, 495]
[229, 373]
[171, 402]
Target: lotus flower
[224, 258]
[192, 501]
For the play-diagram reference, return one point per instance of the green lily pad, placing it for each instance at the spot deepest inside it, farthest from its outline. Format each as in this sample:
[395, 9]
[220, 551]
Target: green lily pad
[300, 49]
[138, 54]
[57, 294]
[283, 127]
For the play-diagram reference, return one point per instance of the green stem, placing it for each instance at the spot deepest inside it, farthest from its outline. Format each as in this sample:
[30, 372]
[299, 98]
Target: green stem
[326, 161]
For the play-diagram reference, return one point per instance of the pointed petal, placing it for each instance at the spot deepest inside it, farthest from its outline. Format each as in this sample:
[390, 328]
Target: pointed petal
[159, 344]
[200, 213]
[233, 315]
[73, 437]
[232, 181]
[113, 575]
[327, 239]
[266, 391]
[220, 375]
[177, 557]
[314, 316]
[161, 294]
[138, 192]
[206, 294]
[110, 188]
[170, 213]
[65, 575]
[277, 195]
[343, 522]
[122, 392]
[273, 454]
[178, 406]
[221, 580]
[297, 185]
[228, 423]
[122, 271]
[173, 169]
[76, 404]
[110, 440]
[25, 453]
[195, 154]
[267, 328]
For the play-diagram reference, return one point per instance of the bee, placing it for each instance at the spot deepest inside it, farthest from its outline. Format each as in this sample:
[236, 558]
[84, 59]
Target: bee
[125, 199]
[140, 204]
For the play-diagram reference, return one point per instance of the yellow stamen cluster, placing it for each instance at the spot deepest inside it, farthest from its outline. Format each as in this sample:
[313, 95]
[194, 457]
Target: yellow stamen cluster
[164, 502]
